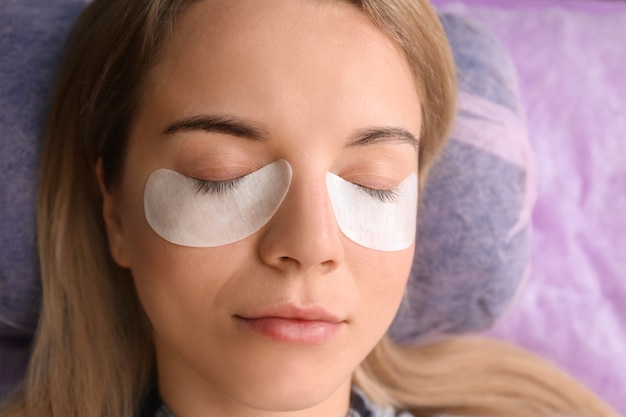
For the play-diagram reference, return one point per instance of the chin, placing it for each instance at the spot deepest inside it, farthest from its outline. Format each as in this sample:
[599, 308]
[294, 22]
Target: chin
[289, 389]
[296, 397]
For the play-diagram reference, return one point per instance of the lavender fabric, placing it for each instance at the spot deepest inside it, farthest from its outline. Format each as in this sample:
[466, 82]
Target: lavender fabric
[570, 58]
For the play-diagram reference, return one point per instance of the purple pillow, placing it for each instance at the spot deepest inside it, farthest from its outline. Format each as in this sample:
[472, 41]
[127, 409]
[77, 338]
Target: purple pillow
[473, 234]
[32, 33]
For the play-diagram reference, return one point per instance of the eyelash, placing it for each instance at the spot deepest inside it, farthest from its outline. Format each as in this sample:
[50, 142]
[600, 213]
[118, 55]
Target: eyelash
[386, 196]
[216, 187]
[221, 187]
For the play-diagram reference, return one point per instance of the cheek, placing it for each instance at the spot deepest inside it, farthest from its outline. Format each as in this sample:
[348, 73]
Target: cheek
[382, 282]
[174, 283]
[166, 278]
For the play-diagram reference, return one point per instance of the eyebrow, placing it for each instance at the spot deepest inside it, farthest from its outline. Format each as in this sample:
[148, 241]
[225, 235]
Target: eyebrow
[375, 135]
[220, 124]
[234, 126]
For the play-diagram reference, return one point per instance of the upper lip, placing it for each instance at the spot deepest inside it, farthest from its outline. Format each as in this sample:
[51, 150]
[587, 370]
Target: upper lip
[293, 312]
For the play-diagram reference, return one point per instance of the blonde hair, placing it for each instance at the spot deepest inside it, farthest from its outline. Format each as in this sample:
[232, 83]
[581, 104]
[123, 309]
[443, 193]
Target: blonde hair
[93, 354]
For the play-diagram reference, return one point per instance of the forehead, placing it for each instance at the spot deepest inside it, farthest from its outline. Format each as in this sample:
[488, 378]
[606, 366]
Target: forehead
[279, 28]
[308, 53]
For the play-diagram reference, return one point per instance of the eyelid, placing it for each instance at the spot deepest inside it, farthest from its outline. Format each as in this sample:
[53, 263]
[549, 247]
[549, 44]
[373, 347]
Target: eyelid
[232, 180]
[217, 172]
[221, 187]
[383, 187]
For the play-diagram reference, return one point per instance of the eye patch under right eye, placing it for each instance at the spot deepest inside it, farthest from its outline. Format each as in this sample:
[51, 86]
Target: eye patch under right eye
[178, 210]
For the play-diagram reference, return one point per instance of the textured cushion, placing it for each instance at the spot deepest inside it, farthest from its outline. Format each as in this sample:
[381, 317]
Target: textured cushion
[31, 39]
[472, 246]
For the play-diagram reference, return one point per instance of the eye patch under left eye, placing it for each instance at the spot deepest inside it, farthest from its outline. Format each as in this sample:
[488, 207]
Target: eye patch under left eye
[181, 214]
[375, 223]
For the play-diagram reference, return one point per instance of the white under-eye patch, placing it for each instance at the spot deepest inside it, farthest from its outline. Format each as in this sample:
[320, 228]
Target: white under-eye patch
[380, 220]
[191, 212]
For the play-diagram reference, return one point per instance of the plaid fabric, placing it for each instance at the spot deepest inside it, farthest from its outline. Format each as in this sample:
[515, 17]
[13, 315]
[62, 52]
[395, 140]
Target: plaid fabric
[360, 406]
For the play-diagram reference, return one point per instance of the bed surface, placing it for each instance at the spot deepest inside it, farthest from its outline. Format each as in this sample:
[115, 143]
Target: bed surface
[571, 59]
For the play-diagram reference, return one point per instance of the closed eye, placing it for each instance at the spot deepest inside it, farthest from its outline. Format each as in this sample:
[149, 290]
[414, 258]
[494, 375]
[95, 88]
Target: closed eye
[222, 187]
[385, 196]
[216, 187]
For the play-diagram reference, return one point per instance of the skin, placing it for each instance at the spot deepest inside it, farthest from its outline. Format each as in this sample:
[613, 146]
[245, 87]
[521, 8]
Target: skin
[309, 76]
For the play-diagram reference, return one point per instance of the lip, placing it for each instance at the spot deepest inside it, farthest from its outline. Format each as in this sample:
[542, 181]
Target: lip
[312, 325]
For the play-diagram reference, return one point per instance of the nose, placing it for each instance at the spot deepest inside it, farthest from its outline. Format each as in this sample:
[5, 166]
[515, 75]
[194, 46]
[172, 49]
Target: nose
[303, 233]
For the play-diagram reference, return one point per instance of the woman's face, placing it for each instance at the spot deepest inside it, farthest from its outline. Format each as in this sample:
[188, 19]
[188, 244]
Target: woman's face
[278, 320]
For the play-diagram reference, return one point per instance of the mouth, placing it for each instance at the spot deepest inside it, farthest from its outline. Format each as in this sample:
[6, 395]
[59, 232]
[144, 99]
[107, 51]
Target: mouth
[293, 325]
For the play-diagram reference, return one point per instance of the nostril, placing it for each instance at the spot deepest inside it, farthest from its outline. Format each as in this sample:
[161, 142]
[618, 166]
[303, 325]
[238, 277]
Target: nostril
[329, 265]
[286, 260]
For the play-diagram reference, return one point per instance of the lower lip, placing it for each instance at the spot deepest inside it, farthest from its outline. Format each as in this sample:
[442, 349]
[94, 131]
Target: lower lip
[303, 332]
